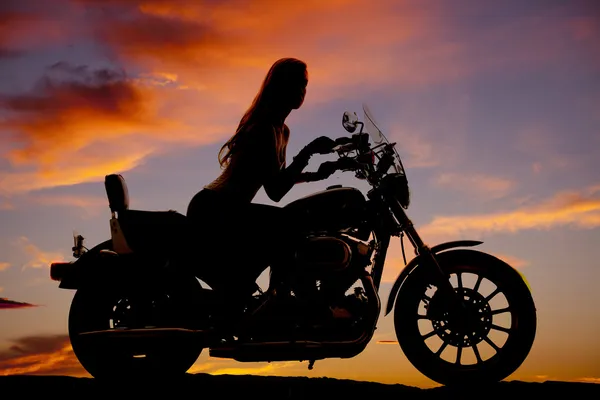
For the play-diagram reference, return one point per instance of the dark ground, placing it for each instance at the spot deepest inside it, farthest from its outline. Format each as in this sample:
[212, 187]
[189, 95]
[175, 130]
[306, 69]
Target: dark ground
[204, 386]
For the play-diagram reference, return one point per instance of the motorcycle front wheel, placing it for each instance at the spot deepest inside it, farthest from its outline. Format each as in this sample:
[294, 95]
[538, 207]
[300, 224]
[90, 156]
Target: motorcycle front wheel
[485, 344]
[130, 331]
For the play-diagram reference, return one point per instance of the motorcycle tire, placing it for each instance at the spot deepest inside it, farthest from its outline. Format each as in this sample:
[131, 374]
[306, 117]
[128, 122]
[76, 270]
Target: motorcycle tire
[104, 308]
[491, 320]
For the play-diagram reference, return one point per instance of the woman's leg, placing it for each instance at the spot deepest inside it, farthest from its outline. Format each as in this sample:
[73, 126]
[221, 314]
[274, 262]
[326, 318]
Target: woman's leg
[261, 234]
[241, 237]
[244, 239]
[206, 214]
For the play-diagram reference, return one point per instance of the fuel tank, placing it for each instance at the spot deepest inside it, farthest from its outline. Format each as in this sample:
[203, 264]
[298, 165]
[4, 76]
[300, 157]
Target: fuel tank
[335, 208]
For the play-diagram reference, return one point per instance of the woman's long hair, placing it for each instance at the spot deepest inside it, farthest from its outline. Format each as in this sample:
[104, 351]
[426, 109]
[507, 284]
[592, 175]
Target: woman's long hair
[271, 91]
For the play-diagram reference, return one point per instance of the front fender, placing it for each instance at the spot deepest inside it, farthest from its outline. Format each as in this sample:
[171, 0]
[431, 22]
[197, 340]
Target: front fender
[415, 261]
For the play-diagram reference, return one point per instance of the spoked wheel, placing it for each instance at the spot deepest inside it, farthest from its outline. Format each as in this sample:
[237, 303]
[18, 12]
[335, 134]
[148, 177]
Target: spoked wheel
[128, 332]
[487, 342]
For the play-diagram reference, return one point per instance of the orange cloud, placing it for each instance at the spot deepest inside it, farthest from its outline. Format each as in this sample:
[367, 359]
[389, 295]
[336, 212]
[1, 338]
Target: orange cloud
[37, 257]
[56, 112]
[268, 369]
[86, 206]
[223, 44]
[91, 203]
[588, 380]
[78, 125]
[223, 366]
[88, 122]
[41, 355]
[11, 304]
[154, 36]
[546, 378]
[4, 265]
[227, 46]
[67, 173]
[571, 209]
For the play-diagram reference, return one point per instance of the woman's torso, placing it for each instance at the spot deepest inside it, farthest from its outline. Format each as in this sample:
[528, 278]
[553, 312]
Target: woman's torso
[251, 164]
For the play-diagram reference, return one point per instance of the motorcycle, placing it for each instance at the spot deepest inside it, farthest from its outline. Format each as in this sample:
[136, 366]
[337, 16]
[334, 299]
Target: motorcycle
[461, 316]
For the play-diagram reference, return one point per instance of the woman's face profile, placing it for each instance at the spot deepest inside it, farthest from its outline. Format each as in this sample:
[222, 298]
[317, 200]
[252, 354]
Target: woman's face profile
[293, 89]
[301, 90]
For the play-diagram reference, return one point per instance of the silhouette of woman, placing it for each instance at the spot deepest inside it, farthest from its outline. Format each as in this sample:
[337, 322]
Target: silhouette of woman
[246, 235]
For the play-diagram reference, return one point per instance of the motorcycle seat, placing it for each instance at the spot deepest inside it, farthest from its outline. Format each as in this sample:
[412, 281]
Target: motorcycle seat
[154, 231]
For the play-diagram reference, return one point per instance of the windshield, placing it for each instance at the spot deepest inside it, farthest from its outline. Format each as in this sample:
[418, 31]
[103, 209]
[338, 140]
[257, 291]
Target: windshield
[377, 137]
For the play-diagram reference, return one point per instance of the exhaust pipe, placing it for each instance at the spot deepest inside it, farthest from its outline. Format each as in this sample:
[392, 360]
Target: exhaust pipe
[145, 333]
[143, 340]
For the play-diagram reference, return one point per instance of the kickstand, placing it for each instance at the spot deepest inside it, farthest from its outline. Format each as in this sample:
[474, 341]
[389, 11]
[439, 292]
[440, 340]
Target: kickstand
[311, 363]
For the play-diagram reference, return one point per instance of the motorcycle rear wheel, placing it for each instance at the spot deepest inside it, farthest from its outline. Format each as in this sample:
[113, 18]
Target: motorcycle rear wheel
[494, 339]
[113, 309]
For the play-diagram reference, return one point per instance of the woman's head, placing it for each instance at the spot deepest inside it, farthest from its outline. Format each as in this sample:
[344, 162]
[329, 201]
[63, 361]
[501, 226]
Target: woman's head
[285, 84]
[282, 90]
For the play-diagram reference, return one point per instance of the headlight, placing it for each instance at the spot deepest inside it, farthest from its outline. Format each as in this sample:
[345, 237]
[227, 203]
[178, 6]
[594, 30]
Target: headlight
[396, 185]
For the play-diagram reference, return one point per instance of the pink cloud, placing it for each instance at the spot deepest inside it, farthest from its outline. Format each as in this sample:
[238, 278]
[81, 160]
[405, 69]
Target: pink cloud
[6, 304]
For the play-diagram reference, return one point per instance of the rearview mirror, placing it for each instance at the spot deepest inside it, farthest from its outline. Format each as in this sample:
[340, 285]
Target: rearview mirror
[350, 121]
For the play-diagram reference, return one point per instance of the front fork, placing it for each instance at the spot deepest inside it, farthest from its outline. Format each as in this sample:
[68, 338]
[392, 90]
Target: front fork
[428, 260]
[445, 288]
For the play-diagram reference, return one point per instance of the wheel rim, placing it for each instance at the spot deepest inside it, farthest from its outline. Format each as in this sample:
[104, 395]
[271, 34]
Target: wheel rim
[129, 312]
[479, 337]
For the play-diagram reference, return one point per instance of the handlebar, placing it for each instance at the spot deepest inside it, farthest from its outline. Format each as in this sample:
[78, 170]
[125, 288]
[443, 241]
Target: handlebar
[347, 164]
[357, 141]
[329, 167]
[342, 145]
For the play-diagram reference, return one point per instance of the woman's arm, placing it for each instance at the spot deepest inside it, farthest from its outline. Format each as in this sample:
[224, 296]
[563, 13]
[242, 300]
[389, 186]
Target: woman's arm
[279, 181]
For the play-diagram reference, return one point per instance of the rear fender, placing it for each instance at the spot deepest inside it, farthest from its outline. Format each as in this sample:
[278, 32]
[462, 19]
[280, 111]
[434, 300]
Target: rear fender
[415, 261]
[72, 274]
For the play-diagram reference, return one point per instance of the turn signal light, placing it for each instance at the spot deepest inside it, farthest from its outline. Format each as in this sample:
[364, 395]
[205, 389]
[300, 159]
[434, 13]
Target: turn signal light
[59, 269]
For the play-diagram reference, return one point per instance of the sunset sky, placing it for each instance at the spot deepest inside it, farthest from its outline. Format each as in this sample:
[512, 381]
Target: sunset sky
[495, 106]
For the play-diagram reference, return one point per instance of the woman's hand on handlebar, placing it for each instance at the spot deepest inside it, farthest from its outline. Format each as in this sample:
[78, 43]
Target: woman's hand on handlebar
[343, 140]
[344, 144]
[327, 169]
[321, 145]
[325, 145]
